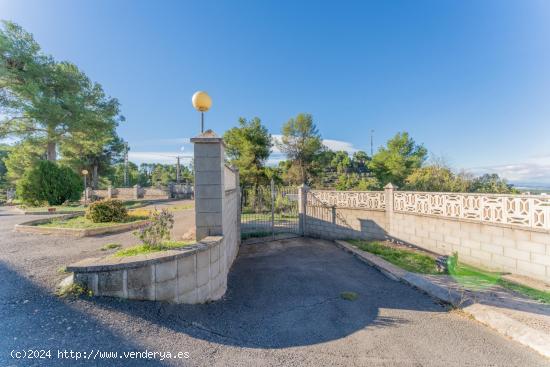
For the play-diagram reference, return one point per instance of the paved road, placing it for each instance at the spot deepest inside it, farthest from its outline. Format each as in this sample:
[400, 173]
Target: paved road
[282, 308]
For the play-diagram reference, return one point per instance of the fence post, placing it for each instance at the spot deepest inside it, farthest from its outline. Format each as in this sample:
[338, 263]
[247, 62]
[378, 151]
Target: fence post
[136, 191]
[110, 192]
[388, 192]
[272, 186]
[209, 184]
[239, 198]
[302, 208]
[88, 193]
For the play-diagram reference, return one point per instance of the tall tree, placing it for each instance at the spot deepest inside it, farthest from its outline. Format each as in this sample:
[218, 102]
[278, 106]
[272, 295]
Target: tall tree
[360, 161]
[492, 183]
[436, 178]
[248, 147]
[22, 156]
[44, 99]
[97, 156]
[116, 178]
[301, 142]
[4, 152]
[397, 160]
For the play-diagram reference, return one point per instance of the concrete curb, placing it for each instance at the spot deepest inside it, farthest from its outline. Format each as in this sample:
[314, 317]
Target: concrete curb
[31, 227]
[503, 324]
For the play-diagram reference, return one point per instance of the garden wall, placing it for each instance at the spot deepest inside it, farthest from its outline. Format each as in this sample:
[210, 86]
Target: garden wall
[193, 274]
[180, 191]
[509, 233]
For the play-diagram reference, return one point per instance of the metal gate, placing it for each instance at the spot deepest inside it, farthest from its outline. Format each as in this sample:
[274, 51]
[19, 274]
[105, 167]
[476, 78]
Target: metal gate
[269, 212]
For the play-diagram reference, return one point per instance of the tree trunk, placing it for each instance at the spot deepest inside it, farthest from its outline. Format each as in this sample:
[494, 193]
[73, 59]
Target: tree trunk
[51, 154]
[95, 177]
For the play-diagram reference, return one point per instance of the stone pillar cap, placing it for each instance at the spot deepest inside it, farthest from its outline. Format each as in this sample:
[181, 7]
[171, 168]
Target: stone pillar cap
[390, 186]
[208, 136]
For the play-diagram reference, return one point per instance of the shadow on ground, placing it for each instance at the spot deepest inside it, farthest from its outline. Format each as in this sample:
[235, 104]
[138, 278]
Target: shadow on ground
[33, 319]
[284, 294]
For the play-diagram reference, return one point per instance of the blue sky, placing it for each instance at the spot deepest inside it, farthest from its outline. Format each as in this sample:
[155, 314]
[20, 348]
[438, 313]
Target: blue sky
[468, 79]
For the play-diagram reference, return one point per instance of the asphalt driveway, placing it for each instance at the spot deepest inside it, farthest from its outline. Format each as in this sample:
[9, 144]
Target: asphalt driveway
[283, 307]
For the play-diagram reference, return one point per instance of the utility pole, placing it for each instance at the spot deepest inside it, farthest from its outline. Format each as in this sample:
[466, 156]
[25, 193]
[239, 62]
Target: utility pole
[126, 164]
[178, 170]
[371, 145]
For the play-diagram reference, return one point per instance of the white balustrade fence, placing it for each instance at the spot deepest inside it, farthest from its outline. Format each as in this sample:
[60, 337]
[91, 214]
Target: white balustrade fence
[529, 211]
[374, 200]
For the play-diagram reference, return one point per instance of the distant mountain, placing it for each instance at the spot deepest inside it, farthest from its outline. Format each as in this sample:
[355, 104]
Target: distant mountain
[536, 186]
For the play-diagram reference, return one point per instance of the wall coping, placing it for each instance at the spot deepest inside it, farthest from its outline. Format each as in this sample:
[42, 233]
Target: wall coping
[471, 194]
[436, 193]
[330, 206]
[32, 227]
[109, 263]
[474, 221]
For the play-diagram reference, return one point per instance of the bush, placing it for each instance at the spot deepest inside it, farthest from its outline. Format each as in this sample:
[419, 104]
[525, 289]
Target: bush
[49, 182]
[108, 210]
[158, 230]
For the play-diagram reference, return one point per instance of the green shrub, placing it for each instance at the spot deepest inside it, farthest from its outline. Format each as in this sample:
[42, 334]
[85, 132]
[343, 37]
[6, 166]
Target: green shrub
[158, 230]
[49, 182]
[108, 210]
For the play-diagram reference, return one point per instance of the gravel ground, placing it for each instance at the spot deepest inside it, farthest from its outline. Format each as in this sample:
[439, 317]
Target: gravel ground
[283, 307]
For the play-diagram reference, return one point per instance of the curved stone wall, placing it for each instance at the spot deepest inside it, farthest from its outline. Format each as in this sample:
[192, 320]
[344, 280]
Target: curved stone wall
[195, 274]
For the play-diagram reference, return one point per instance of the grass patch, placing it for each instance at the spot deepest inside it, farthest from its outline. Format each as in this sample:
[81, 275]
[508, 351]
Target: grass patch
[258, 234]
[349, 296]
[529, 292]
[74, 290]
[474, 278]
[266, 217]
[58, 208]
[187, 206]
[146, 249]
[72, 207]
[62, 270]
[405, 259]
[111, 246]
[83, 223]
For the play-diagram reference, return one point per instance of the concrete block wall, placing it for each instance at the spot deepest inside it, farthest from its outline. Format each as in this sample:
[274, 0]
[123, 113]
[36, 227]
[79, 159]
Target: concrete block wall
[127, 193]
[231, 225]
[493, 246]
[192, 276]
[337, 223]
[503, 248]
[132, 193]
[154, 193]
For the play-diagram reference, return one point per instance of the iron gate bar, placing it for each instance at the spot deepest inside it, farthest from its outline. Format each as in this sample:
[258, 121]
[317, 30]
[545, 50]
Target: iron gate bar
[269, 211]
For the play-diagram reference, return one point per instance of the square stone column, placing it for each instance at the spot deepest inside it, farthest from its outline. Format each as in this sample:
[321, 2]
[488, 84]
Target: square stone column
[302, 208]
[388, 192]
[209, 152]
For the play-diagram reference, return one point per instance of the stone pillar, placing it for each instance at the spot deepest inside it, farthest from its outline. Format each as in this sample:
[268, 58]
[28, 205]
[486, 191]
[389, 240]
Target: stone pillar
[302, 208]
[209, 184]
[136, 191]
[388, 192]
[238, 188]
[110, 192]
[88, 193]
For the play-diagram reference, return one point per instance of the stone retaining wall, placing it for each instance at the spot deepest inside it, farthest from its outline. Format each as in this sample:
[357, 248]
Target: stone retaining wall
[194, 274]
[33, 227]
[508, 233]
[180, 191]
